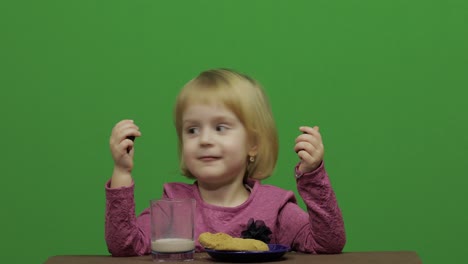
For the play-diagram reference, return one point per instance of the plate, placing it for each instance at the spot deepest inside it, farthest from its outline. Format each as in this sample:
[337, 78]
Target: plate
[276, 252]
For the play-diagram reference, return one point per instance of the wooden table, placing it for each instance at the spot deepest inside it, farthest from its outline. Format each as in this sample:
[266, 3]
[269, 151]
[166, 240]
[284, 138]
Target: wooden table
[386, 257]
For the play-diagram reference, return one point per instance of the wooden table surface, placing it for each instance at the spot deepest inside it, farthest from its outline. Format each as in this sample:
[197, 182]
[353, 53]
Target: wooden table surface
[385, 257]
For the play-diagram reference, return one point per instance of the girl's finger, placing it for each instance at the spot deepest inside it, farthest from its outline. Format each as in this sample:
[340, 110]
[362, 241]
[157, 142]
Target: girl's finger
[308, 138]
[309, 130]
[309, 148]
[306, 158]
[128, 132]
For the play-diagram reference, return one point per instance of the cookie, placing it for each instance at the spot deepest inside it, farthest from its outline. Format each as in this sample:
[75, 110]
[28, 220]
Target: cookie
[242, 244]
[210, 240]
[224, 242]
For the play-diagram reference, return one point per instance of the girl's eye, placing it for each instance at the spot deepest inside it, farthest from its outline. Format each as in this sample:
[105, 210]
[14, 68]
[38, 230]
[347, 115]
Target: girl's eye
[192, 130]
[221, 128]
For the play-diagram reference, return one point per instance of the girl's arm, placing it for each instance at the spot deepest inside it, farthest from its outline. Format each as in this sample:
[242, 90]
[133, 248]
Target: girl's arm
[322, 229]
[125, 234]
[325, 231]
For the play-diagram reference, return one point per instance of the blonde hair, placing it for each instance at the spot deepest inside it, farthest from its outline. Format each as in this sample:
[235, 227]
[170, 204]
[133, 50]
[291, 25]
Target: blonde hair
[245, 98]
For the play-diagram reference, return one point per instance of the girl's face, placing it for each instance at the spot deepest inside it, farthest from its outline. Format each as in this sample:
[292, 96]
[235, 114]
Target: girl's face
[215, 144]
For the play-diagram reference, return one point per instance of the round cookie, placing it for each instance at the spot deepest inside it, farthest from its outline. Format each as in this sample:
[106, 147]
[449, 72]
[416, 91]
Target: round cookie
[223, 241]
[241, 244]
[210, 240]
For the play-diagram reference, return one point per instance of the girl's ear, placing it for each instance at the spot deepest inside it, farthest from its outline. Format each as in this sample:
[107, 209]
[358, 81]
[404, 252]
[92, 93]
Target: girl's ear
[252, 145]
[253, 151]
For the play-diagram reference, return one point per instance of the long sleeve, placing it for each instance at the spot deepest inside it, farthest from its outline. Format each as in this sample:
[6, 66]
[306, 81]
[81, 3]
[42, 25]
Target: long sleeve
[125, 234]
[321, 229]
[326, 222]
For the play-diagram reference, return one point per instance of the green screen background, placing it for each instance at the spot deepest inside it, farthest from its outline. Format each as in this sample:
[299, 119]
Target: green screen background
[385, 80]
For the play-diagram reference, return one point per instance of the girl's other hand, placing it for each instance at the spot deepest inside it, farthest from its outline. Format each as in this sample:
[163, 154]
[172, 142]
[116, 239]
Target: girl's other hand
[121, 146]
[309, 148]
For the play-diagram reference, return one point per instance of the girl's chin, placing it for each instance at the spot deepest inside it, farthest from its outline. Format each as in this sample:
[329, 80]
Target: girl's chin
[216, 179]
[209, 178]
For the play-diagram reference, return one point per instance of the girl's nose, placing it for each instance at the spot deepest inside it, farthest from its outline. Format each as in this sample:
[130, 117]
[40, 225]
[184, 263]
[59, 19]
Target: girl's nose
[206, 137]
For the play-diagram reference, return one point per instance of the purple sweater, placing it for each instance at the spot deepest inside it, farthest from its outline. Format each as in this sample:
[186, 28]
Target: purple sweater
[319, 230]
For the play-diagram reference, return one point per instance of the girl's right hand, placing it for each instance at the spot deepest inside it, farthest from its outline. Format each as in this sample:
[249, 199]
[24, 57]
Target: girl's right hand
[121, 147]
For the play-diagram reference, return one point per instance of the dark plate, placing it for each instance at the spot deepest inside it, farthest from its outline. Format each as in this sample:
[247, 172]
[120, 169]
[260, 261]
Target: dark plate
[276, 252]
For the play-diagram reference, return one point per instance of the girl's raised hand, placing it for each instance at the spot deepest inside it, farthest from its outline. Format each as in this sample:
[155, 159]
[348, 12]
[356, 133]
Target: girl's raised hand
[121, 145]
[309, 148]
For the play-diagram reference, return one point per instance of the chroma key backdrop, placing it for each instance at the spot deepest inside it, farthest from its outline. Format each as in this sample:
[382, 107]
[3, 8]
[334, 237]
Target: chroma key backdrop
[386, 81]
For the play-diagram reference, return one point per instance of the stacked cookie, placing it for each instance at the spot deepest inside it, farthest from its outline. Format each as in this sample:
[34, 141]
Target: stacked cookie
[225, 242]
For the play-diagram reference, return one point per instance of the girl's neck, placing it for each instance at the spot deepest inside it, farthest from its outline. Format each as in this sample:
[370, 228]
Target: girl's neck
[226, 195]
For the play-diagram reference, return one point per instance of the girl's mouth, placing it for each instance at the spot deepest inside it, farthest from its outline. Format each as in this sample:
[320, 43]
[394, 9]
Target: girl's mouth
[209, 158]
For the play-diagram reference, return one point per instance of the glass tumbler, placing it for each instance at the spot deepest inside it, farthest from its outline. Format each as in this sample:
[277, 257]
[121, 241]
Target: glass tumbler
[172, 229]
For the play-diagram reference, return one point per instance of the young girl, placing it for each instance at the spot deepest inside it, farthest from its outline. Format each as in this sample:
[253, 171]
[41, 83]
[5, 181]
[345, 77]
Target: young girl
[227, 144]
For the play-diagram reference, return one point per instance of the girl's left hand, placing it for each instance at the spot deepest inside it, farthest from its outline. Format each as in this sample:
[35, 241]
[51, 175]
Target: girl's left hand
[309, 148]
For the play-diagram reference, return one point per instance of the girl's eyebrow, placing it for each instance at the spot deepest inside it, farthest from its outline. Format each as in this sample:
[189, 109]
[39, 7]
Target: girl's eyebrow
[218, 118]
[188, 121]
